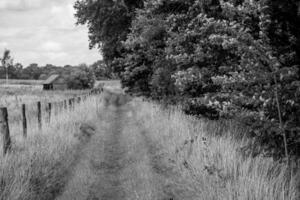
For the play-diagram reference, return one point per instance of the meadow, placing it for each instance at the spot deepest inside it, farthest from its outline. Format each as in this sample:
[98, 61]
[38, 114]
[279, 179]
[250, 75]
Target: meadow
[36, 166]
[21, 82]
[13, 96]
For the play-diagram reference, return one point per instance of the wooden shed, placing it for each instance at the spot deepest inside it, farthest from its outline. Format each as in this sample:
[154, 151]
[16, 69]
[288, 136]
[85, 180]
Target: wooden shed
[55, 82]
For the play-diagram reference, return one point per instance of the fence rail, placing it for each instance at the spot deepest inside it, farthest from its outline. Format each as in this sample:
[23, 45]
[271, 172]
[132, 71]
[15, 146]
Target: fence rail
[51, 107]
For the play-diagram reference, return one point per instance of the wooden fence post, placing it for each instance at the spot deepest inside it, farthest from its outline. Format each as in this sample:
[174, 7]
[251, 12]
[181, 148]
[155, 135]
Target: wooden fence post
[24, 120]
[4, 130]
[48, 110]
[39, 115]
[70, 104]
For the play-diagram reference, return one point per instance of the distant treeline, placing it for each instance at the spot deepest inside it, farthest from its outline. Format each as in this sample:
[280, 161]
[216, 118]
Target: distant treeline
[36, 72]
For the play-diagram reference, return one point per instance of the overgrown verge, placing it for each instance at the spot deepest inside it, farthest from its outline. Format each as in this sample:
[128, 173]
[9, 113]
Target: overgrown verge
[212, 164]
[38, 167]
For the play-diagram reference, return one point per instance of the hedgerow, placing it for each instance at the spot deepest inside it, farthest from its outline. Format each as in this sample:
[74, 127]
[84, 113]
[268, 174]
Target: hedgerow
[232, 59]
[223, 62]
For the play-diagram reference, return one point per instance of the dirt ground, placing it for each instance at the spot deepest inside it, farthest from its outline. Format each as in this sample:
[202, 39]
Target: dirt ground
[121, 162]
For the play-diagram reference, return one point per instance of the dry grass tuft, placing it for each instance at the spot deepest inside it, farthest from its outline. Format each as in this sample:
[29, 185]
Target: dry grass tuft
[213, 167]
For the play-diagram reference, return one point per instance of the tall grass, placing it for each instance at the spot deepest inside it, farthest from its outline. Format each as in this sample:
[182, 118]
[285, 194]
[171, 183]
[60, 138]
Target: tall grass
[37, 167]
[212, 167]
[13, 98]
[209, 167]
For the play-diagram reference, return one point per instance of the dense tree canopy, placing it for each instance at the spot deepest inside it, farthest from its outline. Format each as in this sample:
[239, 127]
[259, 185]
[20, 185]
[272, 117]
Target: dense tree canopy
[101, 70]
[219, 58]
[108, 22]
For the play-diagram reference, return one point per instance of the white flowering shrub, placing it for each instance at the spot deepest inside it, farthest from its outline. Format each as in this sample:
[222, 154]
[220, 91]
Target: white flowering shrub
[221, 59]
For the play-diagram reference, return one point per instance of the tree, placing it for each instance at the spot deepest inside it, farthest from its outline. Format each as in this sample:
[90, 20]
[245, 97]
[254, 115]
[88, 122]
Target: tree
[81, 78]
[15, 71]
[143, 66]
[6, 61]
[33, 71]
[284, 30]
[108, 22]
[101, 70]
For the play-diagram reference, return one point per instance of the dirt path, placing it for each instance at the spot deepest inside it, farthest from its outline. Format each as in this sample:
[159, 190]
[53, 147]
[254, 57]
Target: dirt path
[120, 162]
[109, 170]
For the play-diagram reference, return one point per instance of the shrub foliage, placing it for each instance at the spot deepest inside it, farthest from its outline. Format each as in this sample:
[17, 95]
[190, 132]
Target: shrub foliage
[82, 78]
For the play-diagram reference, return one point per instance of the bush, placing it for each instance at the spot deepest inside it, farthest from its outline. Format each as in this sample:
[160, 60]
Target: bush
[82, 79]
[162, 83]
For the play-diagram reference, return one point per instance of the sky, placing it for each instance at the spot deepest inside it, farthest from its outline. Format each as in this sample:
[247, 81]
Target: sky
[44, 32]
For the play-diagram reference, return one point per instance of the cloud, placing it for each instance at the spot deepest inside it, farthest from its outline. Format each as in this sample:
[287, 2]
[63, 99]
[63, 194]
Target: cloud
[20, 5]
[51, 46]
[56, 55]
[62, 16]
[25, 5]
[3, 45]
[44, 32]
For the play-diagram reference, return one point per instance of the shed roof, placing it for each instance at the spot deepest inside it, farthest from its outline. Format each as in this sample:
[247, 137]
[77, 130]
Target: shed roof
[51, 79]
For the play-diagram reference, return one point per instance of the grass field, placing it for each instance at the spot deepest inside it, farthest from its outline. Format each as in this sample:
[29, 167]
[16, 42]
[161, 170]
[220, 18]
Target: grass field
[21, 82]
[13, 97]
[37, 166]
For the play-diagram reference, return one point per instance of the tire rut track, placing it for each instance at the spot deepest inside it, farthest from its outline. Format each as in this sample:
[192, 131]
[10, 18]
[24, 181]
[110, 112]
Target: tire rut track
[110, 169]
[171, 185]
[122, 161]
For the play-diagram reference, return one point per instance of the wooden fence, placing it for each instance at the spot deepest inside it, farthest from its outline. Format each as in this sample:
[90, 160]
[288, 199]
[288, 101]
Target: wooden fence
[51, 107]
